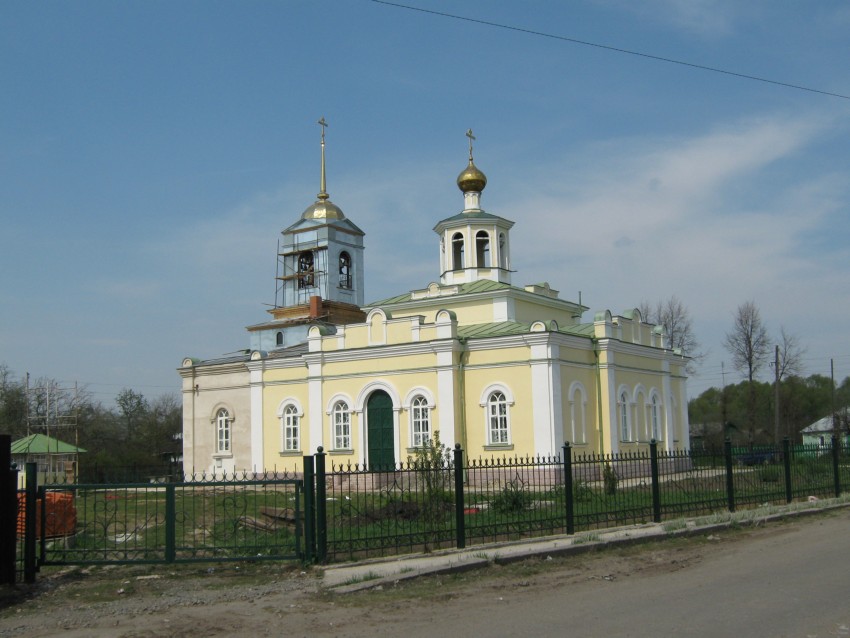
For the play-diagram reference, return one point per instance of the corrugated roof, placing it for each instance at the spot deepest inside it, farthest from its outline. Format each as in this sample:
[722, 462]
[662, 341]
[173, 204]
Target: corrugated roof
[43, 444]
[482, 285]
[821, 425]
[290, 351]
[467, 216]
[497, 329]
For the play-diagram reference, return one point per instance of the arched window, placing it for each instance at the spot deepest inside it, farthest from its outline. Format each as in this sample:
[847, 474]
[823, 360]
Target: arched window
[578, 413]
[420, 419]
[341, 416]
[345, 270]
[503, 252]
[279, 339]
[497, 419]
[290, 425]
[654, 419]
[482, 248]
[625, 424]
[222, 432]
[457, 252]
[305, 270]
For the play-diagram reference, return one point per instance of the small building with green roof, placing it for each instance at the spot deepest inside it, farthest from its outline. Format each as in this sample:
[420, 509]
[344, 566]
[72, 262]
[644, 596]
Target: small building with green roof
[56, 459]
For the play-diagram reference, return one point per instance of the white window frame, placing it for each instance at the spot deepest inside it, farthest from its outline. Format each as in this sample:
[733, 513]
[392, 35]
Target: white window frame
[223, 432]
[498, 419]
[420, 421]
[341, 425]
[624, 421]
[290, 415]
[656, 429]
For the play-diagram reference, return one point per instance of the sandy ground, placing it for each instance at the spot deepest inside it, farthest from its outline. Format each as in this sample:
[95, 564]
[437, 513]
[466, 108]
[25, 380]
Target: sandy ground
[267, 599]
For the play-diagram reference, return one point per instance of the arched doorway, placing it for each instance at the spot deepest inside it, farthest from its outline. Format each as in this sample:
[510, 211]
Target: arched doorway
[379, 417]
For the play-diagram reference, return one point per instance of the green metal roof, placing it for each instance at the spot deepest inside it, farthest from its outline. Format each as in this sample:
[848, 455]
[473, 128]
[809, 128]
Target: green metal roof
[482, 285]
[42, 444]
[497, 329]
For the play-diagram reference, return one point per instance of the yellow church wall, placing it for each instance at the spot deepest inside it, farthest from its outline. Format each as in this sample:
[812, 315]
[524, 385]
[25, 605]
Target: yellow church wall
[274, 457]
[529, 312]
[517, 379]
[585, 378]
[377, 365]
[290, 373]
[494, 356]
[467, 311]
[398, 332]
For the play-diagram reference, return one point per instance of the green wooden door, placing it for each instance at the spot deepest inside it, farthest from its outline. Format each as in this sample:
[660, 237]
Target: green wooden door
[379, 416]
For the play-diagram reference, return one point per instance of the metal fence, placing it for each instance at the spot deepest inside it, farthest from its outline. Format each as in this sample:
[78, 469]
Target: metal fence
[207, 519]
[441, 500]
[454, 502]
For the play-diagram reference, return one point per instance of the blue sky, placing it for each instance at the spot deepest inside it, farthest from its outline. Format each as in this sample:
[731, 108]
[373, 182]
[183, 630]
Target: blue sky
[151, 152]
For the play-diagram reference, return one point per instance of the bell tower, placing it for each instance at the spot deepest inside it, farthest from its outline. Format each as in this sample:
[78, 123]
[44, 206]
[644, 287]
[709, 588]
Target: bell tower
[320, 272]
[474, 244]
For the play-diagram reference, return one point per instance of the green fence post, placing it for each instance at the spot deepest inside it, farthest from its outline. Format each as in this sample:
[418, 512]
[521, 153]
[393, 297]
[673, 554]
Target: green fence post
[786, 457]
[8, 511]
[568, 488]
[460, 521]
[309, 509]
[836, 477]
[321, 508]
[730, 482]
[656, 491]
[29, 522]
[170, 523]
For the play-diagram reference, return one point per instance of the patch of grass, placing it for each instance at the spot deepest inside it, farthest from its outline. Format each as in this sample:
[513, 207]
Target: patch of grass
[586, 537]
[672, 526]
[363, 578]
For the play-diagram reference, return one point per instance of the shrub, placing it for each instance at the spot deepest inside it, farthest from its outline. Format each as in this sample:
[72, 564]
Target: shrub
[610, 479]
[513, 498]
[581, 491]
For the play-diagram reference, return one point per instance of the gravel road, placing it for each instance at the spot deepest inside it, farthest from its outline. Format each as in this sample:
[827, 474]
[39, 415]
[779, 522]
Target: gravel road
[781, 579]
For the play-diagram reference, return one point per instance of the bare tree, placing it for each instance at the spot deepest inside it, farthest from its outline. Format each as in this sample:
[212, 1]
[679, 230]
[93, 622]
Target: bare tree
[790, 354]
[748, 342]
[674, 316]
[749, 346]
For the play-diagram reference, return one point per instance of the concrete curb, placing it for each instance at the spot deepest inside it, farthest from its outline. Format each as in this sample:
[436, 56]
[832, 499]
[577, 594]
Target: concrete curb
[345, 578]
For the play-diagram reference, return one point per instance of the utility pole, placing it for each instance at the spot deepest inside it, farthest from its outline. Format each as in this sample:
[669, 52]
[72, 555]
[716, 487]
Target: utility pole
[832, 386]
[776, 394]
[723, 399]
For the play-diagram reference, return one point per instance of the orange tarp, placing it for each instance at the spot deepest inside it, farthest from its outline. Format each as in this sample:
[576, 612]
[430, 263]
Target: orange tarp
[61, 515]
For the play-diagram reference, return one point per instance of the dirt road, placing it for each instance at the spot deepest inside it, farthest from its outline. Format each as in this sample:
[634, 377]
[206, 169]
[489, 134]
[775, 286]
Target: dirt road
[783, 579]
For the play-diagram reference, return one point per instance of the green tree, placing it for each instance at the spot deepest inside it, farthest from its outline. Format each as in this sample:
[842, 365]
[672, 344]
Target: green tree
[133, 407]
[13, 405]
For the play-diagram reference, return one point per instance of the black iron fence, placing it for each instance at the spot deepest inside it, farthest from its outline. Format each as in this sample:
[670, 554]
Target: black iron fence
[419, 506]
[439, 500]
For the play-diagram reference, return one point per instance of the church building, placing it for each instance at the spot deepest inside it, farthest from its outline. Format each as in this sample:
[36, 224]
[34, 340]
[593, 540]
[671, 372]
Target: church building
[504, 370]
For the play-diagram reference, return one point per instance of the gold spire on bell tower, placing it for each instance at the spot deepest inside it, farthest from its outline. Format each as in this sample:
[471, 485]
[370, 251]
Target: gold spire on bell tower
[323, 208]
[323, 195]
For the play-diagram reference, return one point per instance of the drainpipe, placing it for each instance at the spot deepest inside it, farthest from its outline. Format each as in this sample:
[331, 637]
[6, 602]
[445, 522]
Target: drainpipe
[461, 373]
[595, 343]
[194, 440]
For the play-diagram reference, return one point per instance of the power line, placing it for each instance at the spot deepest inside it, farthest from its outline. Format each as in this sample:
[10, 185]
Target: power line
[649, 56]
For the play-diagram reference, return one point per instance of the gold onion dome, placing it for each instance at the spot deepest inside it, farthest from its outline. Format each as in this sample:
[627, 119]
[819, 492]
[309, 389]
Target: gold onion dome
[323, 208]
[471, 179]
